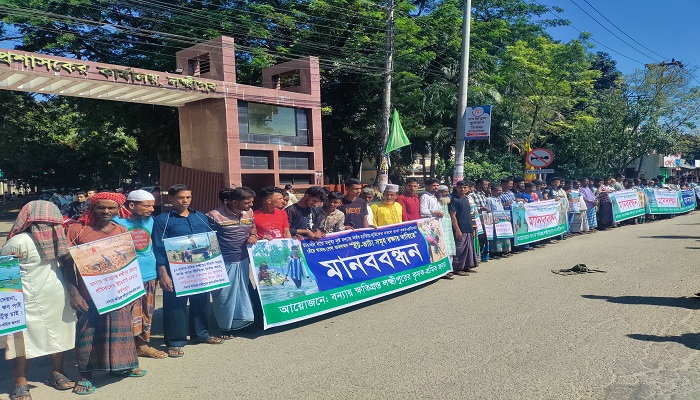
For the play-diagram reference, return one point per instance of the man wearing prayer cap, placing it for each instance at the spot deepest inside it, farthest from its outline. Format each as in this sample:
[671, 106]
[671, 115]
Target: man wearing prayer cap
[389, 211]
[139, 205]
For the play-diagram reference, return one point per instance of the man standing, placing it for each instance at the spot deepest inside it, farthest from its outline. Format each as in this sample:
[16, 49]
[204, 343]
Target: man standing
[429, 204]
[271, 220]
[76, 208]
[591, 204]
[140, 204]
[479, 198]
[181, 220]
[460, 214]
[410, 204]
[301, 215]
[235, 230]
[354, 207]
[328, 218]
[507, 196]
[104, 342]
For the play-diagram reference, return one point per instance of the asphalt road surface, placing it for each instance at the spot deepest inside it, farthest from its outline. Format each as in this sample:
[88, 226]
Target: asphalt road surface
[514, 330]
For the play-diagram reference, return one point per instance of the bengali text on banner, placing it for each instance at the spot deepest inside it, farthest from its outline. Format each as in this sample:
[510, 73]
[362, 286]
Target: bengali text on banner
[196, 263]
[662, 201]
[503, 224]
[627, 204]
[540, 220]
[110, 271]
[299, 280]
[12, 316]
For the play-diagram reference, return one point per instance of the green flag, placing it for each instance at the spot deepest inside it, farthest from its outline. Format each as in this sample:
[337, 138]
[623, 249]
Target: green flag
[397, 137]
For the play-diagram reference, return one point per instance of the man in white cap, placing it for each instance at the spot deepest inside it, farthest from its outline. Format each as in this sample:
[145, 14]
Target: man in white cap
[140, 205]
[389, 211]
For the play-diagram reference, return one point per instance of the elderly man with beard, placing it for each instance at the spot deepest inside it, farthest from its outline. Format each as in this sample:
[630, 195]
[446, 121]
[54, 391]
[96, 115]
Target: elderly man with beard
[235, 229]
[104, 342]
[140, 205]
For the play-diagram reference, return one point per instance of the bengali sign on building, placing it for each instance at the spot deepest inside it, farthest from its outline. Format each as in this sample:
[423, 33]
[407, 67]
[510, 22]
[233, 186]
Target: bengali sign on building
[662, 201]
[12, 315]
[627, 204]
[196, 263]
[299, 280]
[110, 271]
[537, 221]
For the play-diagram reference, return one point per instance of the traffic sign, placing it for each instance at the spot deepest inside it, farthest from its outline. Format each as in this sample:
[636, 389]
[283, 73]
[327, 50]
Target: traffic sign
[539, 171]
[539, 158]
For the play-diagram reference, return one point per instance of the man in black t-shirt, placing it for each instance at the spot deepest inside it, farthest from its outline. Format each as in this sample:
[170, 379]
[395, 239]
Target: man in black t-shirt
[354, 207]
[460, 213]
[301, 215]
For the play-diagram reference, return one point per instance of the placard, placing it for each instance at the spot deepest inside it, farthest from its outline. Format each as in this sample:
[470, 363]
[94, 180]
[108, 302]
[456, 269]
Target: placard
[12, 314]
[110, 271]
[196, 263]
[537, 221]
[503, 224]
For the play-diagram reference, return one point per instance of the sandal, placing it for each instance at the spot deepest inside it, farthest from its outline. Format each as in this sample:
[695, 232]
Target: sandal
[211, 340]
[88, 387]
[175, 352]
[21, 392]
[137, 372]
[150, 352]
[449, 276]
[59, 381]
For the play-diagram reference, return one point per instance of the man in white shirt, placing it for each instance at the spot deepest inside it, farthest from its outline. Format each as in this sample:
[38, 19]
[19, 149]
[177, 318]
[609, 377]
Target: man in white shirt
[429, 205]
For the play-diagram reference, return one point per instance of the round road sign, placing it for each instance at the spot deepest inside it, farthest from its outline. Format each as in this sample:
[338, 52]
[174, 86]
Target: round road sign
[539, 158]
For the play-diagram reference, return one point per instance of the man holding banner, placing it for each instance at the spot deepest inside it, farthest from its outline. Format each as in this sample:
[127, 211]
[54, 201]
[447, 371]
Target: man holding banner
[104, 342]
[181, 221]
[235, 230]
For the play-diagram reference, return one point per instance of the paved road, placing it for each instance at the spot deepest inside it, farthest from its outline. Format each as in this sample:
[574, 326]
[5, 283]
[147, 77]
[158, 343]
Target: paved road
[514, 330]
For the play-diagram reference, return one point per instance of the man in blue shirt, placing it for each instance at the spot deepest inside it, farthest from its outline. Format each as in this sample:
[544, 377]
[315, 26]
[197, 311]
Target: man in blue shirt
[181, 220]
[140, 204]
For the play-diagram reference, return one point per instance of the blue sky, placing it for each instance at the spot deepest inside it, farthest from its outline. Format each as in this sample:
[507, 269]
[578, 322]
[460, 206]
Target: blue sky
[669, 28]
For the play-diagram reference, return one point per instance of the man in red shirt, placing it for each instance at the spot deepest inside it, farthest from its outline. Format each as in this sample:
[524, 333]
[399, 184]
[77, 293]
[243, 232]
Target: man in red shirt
[270, 221]
[410, 203]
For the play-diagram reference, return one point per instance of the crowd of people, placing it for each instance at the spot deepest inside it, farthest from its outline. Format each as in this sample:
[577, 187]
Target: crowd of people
[61, 315]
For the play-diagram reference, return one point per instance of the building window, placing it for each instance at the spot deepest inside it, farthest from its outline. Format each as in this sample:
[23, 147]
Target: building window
[296, 179]
[290, 160]
[271, 124]
[255, 159]
[268, 119]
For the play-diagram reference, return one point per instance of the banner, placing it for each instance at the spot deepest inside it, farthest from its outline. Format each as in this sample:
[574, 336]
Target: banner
[196, 263]
[488, 224]
[627, 204]
[110, 271]
[688, 201]
[537, 221]
[477, 220]
[478, 123]
[300, 280]
[662, 201]
[503, 224]
[12, 316]
[575, 204]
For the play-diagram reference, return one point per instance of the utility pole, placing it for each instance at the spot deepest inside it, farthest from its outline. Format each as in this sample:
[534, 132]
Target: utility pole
[463, 87]
[386, 102]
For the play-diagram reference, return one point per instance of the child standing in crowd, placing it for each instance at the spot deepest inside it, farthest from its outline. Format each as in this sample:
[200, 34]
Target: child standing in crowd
[389, 211]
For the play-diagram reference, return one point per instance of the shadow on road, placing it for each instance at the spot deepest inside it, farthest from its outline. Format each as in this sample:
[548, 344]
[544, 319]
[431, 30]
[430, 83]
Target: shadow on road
[690, 340]
[692, 303]
[693, 248]
[670, 237]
